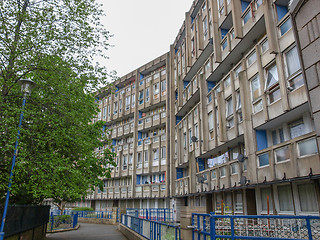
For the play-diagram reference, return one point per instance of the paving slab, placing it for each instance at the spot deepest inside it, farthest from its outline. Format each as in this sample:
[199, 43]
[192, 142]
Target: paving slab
[89, 231]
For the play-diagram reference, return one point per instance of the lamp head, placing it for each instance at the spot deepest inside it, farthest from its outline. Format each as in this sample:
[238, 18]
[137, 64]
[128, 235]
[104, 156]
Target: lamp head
[26, 85]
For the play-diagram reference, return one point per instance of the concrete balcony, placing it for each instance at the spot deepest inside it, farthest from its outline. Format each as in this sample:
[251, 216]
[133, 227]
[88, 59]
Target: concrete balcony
[182, 186]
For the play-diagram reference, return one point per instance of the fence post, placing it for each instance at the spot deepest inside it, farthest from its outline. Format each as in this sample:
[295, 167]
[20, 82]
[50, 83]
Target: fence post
[309, 228]
[232, 227]
[204, 227]
[147, 215]
[212, 228]
[52, 219]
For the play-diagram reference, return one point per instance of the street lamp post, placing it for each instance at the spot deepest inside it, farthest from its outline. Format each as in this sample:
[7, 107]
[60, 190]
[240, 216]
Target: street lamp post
[26, 87]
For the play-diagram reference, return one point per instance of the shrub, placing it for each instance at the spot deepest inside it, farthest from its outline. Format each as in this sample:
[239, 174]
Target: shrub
[83, 209]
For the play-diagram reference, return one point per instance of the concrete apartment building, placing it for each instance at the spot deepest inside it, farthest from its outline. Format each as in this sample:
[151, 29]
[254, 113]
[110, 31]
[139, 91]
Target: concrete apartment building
[225, 120]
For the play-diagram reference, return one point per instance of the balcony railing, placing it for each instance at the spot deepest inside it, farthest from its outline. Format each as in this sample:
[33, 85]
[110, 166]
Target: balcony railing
[182, 186]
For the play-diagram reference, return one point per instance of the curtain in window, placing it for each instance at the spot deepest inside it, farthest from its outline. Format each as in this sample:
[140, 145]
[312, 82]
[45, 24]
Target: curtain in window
[265, 192]
[285, 198]
[293, 64]
[272, 76]
[308, 198]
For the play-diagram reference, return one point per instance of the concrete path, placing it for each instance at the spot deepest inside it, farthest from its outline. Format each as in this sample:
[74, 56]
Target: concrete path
[89, 231]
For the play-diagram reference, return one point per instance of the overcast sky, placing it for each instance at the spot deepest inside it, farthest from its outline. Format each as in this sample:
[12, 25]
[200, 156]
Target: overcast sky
[142, 29]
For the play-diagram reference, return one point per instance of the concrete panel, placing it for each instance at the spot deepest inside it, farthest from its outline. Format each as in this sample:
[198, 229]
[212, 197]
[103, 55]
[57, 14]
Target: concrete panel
[311, 54]
[307, 12]
[312, 77]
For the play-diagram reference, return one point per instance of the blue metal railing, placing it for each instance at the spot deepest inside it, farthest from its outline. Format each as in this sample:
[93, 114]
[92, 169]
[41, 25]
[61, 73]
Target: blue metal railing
[57, 222]
[255, 227]
[150, 229]
[155, 214]
[94, 214]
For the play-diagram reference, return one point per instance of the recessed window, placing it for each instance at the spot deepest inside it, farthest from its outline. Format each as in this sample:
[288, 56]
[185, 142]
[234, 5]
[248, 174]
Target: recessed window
[255, 88]
[308, 197]
[285, 198]
[227, 82]
[307, 147]
[247, 16]
[223, 172]
[282, 154]
[234, 168]
[297, 129]
[264, 46]
[272, 76]
[263, 160]
[285, 26]
[252, 58]
[265, 194]
[295, 77]
[210, 120]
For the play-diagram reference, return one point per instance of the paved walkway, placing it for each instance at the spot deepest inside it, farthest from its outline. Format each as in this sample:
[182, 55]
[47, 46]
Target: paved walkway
[89, 231]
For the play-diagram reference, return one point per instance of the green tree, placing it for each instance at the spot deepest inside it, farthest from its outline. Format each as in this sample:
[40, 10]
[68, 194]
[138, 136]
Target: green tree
[52, 42]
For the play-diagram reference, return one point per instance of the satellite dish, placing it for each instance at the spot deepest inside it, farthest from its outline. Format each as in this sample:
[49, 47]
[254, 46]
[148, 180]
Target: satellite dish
[241, 158]
[243, 180]
[194, 139]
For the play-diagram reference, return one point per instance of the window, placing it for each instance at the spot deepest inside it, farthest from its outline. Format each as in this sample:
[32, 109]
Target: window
[272, 84]
[252, 58]
[104, 112]
[238, 107]
[147, 94]
[237, 71]
[196, 131]
[213, 174]
[247, 16]
[141, 82]
[190, 136]
[265, 194]
[282, 154]
[230, 122]
[307, 197]
[277, 136]
[307, 147]
[264, 46]
[238, 201]
[207, 68]
[115, 108]
[141, 97]
[223, 172]
[155, 88]
[155, 157]
[297, 129]
[139, 160]
[120, 106]
[272, 76]
[163, 152]
[125, 162]
[227, 82]
[263, 160]
[255, 88]
[184, 140]
[130, 158]
[133, 99]
[285, 198]
[293, 68]
[210, 120]
[205, 28]
[234, 168]
[128, 98]
[163, 85]
[285, 26]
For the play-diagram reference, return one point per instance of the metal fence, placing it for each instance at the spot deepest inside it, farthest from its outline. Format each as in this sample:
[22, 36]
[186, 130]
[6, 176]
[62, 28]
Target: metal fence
[151, 230]
[210, 226]
[23, 218]
[155, 214]
[58, 222]
[94, 214]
